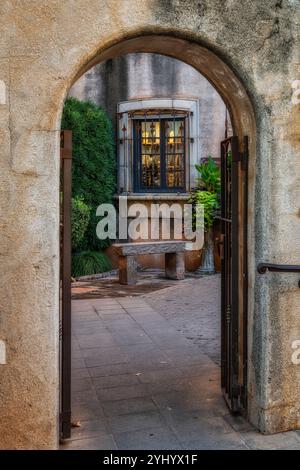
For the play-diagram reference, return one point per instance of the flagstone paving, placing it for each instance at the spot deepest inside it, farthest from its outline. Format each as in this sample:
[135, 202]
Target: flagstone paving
[146, 374]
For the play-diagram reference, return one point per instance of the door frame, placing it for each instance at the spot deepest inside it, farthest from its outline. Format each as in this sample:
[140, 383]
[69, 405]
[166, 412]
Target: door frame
[65, 282]
[234, 277]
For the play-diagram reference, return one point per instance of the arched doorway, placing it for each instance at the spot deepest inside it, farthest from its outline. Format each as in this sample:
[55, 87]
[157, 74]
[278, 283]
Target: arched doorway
[235, 266]
[44, 50]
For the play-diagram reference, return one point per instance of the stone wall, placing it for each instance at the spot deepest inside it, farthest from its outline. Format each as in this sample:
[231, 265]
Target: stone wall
[249, 50]
[136, 76]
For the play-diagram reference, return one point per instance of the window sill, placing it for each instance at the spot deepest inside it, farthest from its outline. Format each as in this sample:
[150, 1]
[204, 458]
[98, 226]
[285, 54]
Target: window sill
[155, 196]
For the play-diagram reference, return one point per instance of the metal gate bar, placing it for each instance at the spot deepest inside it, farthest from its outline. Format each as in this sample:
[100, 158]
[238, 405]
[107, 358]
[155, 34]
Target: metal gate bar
[245, 164]
[234, 273]
[65, 279]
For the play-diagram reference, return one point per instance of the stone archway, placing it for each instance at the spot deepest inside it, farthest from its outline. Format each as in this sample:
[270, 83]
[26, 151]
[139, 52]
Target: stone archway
[209, 65]
[51, 47]
[233, 93]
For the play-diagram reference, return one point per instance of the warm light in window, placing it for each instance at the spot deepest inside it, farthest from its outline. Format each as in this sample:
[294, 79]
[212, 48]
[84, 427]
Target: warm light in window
[145, 136]
[151, 136]
[171, 138]
[159, 154]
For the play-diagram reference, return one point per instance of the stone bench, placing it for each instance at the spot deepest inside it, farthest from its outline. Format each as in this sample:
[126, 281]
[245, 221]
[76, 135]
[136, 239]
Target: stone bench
[174, 258]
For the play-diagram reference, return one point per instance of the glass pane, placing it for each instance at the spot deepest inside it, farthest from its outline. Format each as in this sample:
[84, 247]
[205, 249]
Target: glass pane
[172, 157]
[175, 170]
[150, 137]
[174, 149]
[174, 134]
[150, 154]
[150, 171]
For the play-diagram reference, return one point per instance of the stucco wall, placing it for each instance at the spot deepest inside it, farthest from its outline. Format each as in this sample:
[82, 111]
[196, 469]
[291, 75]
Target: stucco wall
[136, 76]
[43, 47]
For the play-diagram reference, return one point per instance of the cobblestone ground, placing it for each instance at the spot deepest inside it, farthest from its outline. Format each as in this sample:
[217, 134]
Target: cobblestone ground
[194, 310]
[145, 374]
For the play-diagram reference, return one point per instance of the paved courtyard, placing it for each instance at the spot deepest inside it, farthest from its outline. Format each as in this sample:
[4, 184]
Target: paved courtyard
[146, 374]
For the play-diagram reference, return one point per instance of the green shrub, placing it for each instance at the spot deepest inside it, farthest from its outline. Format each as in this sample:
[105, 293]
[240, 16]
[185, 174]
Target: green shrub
[94, 163]
[208, 192]
[89, 262]
[79, 220]
[210, 204]
[209, 176]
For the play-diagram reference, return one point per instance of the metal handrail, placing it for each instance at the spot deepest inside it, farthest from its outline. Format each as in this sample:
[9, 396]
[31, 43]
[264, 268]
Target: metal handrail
[262, 268]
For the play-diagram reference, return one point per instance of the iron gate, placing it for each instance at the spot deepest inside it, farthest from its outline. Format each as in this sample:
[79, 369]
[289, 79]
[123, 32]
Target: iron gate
[234, 272]
[65, 281]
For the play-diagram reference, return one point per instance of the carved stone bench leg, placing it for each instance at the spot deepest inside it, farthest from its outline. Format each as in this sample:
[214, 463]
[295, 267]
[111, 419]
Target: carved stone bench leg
[174, 265]
[127, 270]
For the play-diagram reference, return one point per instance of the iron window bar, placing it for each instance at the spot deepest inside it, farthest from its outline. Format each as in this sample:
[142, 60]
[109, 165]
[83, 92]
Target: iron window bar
[132, 138]
[166, 152]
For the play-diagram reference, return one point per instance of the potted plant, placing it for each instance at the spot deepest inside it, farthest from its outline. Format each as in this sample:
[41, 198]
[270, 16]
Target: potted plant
[208, 193]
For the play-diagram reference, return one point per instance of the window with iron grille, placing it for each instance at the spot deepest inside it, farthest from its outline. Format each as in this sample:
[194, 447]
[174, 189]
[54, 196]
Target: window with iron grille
[159, 154]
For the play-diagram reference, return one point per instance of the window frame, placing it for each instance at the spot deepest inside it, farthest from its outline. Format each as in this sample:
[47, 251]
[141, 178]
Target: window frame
[137, 154]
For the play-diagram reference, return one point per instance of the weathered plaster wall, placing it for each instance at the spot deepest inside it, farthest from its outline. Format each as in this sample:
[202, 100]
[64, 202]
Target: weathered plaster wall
[136, 76]
[43, 46]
